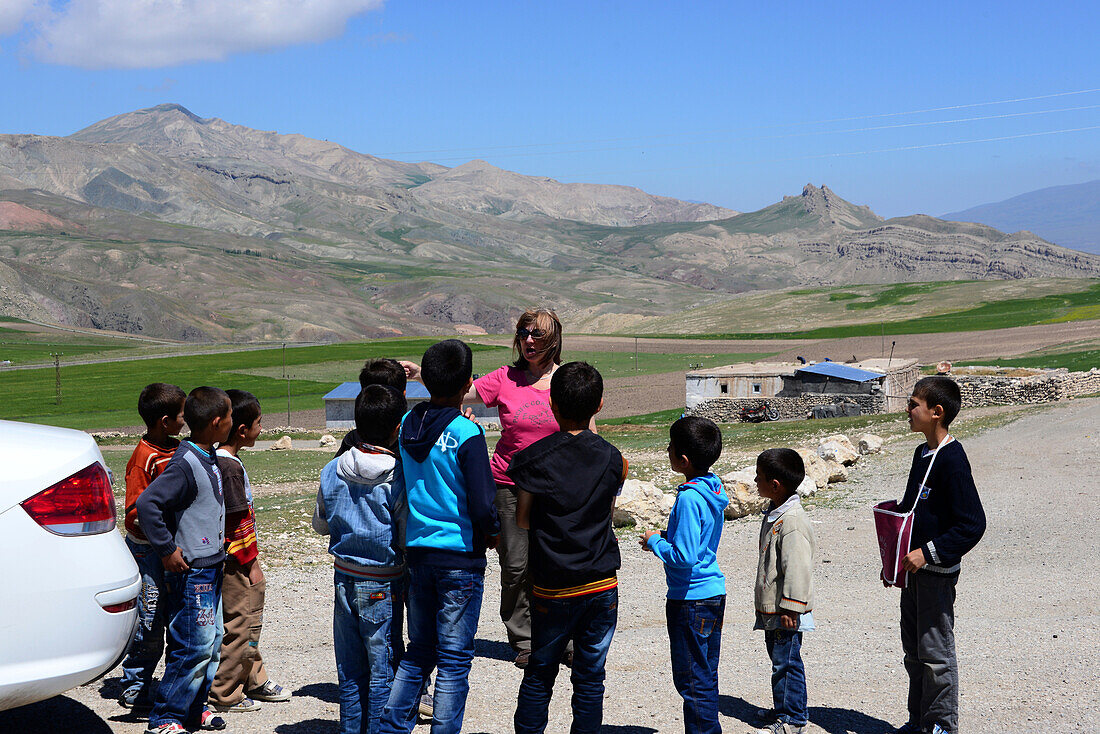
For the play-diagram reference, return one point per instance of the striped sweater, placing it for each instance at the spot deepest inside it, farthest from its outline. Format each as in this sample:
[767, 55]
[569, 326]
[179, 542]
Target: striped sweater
[240, 514]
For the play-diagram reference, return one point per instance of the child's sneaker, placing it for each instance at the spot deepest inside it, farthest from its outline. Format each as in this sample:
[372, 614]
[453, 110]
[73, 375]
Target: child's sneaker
[133, 699]
[781, 727]
[427, 706]
[270, 692]
[937, 729]
[210, 722]
[245, 704]
[172, 727]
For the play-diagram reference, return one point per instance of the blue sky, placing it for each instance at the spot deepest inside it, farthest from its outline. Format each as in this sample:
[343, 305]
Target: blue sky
[737, 104]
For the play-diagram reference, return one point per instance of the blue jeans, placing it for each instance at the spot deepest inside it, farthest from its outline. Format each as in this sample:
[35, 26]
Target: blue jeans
[589, 621]
[695, 642]
[363, 624]
[148, 643]
[444, 605]
[192, 603]
[788, 676]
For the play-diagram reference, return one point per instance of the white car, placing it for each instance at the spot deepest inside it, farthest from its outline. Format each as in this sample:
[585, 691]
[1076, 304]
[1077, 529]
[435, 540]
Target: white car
[69, 604]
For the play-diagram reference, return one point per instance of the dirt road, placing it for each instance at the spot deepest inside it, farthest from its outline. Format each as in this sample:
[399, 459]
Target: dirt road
[1028, 629]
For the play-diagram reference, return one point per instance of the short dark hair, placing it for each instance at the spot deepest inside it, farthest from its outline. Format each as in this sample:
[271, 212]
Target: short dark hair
[158, 400]
[383, 371]
[203, 405]
[942, 391]
[576, 389]
[784, 465]
[246, 409]
[697, 438]
[378, 410]
[446, 367]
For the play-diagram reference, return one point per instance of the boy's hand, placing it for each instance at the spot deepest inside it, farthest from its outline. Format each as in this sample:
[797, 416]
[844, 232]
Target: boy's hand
[412, 369]
[468, 414]
[255, 573]
[644, 541]
[789, 620]
[175, 562]
[491, 541]
[914, 560]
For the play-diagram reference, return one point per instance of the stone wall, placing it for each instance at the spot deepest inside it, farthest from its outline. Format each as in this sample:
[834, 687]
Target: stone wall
[1051, 385]
[728, 410]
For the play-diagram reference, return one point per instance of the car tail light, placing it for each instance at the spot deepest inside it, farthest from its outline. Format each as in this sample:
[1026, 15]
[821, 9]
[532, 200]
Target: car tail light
[79, 505]
[123, 607]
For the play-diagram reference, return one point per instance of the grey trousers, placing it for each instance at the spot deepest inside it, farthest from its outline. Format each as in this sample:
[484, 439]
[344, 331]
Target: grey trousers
[515, 591]
[928, 640]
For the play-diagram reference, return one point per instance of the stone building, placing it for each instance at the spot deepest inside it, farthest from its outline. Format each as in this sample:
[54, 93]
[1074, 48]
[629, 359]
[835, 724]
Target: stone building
[340, 406]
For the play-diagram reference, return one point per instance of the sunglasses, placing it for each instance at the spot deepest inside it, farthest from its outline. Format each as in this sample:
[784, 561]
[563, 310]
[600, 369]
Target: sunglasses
[522, 333]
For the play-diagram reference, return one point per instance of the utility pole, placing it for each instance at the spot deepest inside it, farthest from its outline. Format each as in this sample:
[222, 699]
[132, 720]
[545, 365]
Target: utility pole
[891, 354]
[287, 378]
[883, 338]
[57, 375]
[635, 354]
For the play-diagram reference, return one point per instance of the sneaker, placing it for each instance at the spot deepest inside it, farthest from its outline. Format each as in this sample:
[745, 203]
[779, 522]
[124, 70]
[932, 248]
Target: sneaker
[270, 692]
[427, 706]
[133, 699]
[522, 659]
[245, 704]
[937, 729]
[210, 722]
[172, 727]
[781, 727]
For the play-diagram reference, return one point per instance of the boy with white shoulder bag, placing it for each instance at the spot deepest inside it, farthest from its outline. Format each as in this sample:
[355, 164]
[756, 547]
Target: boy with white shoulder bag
[945, 520]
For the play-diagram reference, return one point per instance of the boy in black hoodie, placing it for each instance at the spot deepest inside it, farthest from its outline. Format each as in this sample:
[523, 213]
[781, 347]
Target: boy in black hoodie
[567, 484]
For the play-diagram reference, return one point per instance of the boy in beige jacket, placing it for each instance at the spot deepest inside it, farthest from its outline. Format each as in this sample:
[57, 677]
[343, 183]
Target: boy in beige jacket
[784, 585]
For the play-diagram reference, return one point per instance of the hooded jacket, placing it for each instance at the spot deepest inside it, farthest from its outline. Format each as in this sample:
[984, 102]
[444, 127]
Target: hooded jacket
[574, 480]
[361, 507]
[450, 488]
[689, 548]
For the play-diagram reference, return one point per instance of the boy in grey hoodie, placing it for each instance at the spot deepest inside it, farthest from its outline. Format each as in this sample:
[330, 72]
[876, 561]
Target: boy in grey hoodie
[361, 507]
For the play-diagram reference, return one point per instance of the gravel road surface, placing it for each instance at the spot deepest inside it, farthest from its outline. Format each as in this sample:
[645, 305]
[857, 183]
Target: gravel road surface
[1028, 629]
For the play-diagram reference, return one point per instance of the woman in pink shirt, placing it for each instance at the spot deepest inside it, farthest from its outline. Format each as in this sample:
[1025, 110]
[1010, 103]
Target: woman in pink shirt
[521, 394]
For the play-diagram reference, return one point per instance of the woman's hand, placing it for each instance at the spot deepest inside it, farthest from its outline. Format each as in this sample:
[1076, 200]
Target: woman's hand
[412, 369]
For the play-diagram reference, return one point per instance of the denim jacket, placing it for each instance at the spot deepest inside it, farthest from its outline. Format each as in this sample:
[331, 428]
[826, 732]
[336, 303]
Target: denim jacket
[361, 507]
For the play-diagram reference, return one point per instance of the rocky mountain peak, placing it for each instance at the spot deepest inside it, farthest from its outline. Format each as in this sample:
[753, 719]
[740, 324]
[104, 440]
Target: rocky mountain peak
[825, 204]
[170, 107]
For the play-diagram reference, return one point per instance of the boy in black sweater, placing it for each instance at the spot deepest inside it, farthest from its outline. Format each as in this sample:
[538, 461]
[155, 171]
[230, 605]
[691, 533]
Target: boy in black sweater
[567, 484]
[948, 522]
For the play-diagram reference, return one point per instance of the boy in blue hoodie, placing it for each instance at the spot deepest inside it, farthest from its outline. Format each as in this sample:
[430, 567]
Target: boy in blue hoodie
[452, 519]
[566, 488]
[696, 586]
[361, 507]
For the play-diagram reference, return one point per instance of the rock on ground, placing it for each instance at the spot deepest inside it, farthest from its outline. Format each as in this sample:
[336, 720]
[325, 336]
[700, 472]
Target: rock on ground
[815, 467]
[643, 505]
[839, 449]
[741, 489]
[328, 441]
[282, 444]
[869, 443]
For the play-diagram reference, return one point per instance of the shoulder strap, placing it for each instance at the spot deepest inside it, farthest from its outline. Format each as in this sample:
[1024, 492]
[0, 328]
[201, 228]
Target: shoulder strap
[946, 440]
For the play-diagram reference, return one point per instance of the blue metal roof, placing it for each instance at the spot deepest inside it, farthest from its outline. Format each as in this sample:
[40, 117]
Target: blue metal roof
[841, 372]
[350, 390]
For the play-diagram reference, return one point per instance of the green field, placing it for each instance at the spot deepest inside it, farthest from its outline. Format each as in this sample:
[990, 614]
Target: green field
[1080, 361]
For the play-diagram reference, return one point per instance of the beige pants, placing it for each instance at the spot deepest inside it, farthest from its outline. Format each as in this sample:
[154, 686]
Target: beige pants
[241, 668]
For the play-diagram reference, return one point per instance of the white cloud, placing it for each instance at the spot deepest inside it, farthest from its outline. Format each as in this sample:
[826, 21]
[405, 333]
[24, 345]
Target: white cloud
[133, 34]
[13, 13]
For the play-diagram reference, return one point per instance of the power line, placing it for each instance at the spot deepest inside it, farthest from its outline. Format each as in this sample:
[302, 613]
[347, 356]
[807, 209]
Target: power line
[755, 127]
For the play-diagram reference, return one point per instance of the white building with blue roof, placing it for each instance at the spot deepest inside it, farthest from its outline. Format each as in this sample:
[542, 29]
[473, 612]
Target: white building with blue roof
[340, 405]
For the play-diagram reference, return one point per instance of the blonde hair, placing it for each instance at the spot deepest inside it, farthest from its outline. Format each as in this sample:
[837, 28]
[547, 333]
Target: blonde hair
[546, 320]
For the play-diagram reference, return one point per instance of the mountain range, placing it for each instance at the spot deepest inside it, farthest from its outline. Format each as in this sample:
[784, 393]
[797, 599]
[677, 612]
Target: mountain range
[163, 223]
[1068, 215]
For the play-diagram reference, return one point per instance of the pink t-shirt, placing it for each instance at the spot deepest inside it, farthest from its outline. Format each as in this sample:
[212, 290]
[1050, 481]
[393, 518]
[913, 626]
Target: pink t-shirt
[525, 414]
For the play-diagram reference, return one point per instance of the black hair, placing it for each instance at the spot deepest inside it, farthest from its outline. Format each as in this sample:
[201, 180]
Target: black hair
[378, 410]
[942, 391]
[784, 465]
[446, 367]
[203, 405]
[576, 389]
[697, 438]
[158, 400]
[246, 409]
[383, 372]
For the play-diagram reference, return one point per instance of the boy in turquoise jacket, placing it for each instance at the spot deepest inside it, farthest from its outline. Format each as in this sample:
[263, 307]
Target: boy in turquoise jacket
[696, 600]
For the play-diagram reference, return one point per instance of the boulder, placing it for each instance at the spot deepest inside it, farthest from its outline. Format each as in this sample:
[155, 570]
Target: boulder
[808, 488]
[869, 443]
[839, 449]
[282, 444]
[328, 441]
[643, 505]
[837, 471]
[815, 467]
[741, 489]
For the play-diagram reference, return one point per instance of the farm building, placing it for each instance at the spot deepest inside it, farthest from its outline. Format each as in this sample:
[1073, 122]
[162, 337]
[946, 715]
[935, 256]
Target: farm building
[340, 405]
[877, 385]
